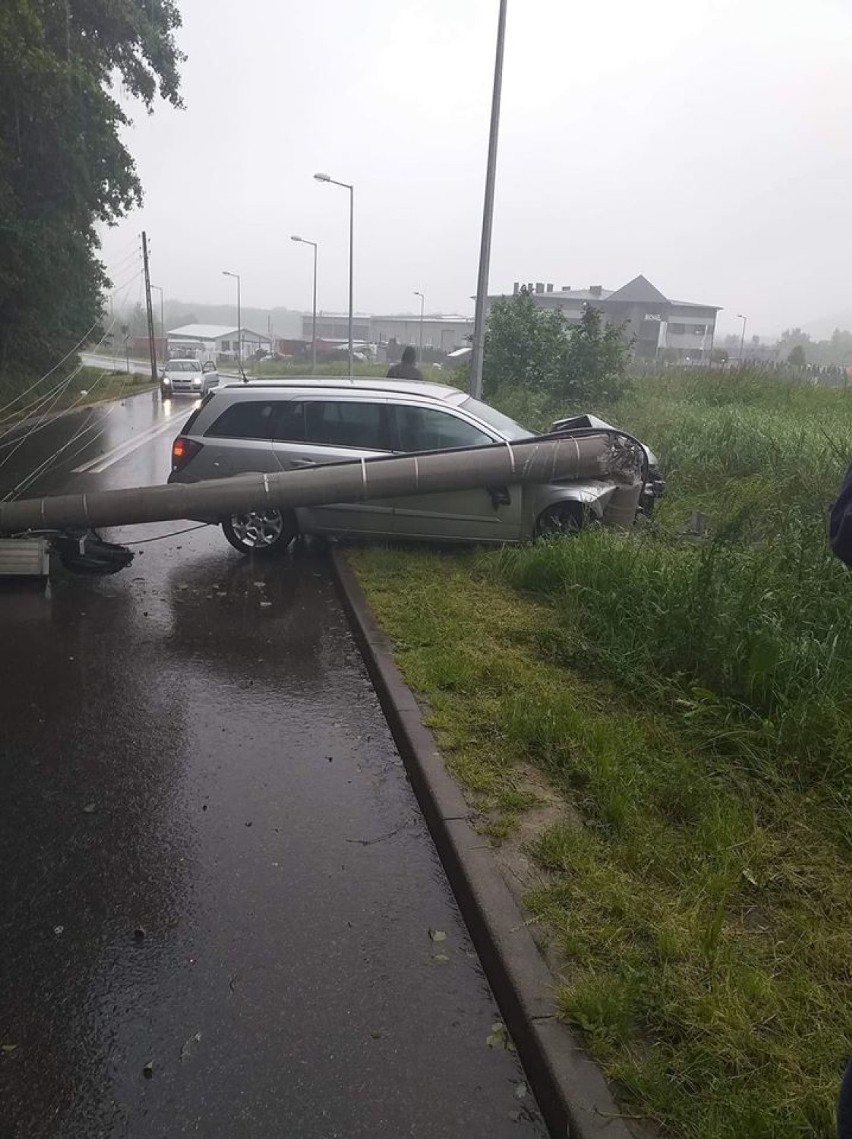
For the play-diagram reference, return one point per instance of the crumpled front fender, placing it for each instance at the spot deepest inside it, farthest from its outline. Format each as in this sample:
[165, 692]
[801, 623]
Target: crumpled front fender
[593, 493]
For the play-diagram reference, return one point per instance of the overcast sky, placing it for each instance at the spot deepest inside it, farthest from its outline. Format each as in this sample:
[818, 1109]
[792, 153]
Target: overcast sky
[704, 143]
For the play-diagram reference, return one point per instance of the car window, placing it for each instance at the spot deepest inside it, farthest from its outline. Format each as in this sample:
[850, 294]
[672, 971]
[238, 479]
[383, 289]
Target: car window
[348, 423]
[507, 427]
[290, 421]
[427, 429]
[248, 419]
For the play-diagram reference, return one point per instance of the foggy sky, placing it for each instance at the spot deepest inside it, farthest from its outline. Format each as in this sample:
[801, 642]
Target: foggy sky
[704, 143]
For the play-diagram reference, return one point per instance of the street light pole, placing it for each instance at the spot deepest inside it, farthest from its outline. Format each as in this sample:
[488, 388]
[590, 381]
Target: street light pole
[422, 307]
[225, 273]
[162, 322]
[303, 241]
[476, 358]
[742, 338]
[351, 189]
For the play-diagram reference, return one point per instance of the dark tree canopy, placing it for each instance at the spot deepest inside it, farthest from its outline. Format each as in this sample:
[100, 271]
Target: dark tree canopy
[538, 351]
[63, 167]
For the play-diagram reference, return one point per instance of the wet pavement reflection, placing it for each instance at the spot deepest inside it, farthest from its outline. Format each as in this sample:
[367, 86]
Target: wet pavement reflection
[218, 890]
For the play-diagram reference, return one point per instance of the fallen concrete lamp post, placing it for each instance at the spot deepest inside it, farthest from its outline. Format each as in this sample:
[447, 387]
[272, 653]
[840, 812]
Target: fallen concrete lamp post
[551, 458]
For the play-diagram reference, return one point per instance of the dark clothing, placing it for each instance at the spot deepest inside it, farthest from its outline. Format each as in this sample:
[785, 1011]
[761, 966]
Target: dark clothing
[840, 522]
[844, 1105]
[404, 372]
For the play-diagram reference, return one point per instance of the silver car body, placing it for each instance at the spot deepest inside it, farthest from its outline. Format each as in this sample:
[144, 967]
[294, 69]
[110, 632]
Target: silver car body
[187, 377]
[451, 417]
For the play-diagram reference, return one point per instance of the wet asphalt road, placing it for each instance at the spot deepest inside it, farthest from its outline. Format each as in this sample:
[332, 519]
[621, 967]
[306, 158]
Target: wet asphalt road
[212, 861]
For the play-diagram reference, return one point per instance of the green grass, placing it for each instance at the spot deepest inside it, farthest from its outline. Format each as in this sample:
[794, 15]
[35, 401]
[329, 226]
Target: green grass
[691, 702]
[279, 368]
[93, 381]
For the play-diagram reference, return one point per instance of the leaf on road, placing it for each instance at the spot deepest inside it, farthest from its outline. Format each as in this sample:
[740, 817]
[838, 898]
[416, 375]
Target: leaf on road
[148, 1070]
[90, 808]
[9, 1048]
[499, 1037]
[190, 1047]
[440, 958]
[521, 1090]
[437, 935]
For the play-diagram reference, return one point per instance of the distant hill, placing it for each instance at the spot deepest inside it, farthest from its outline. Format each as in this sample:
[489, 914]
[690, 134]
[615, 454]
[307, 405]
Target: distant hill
[822, 328]
[284, 322]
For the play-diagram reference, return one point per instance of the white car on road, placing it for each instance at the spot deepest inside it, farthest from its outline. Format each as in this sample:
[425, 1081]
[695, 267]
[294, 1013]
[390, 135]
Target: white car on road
[188, 377]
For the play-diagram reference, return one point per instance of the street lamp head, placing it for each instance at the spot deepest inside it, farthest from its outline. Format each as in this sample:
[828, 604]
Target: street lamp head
[417, 293]
[227, 273]
[322, 177]
[740, 316]
[295, 238]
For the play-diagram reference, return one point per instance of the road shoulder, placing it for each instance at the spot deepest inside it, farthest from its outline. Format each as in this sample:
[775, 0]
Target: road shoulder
[572, 1092]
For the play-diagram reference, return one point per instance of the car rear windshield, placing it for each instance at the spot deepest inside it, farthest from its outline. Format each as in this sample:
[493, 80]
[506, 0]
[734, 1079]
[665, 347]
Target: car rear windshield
[187, 427]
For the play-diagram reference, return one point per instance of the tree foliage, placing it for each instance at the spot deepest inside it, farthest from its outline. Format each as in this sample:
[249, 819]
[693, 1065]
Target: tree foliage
[538, 351]
[63, 166]
[797, 357]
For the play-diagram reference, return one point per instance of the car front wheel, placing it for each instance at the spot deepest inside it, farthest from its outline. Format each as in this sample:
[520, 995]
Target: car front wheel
[563, 518]
[260, 531]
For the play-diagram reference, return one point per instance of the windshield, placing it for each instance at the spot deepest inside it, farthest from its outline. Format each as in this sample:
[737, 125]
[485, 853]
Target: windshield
[183, 366]
[507, 427]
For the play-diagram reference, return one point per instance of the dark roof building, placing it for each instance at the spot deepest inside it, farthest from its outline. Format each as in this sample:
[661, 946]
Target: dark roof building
[651, 321]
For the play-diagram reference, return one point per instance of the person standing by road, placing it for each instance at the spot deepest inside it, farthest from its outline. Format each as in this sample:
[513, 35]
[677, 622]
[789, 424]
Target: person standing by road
[408, 369]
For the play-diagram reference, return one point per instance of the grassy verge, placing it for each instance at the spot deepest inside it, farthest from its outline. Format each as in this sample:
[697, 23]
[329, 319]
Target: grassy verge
[279, 368]
[692, 705]
[86, 386]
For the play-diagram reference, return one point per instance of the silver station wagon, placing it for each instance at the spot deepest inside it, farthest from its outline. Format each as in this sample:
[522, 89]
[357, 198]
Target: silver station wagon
[283, 425]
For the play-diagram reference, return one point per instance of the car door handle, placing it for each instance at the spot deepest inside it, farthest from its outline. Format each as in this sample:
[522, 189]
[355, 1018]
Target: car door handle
[303, 462]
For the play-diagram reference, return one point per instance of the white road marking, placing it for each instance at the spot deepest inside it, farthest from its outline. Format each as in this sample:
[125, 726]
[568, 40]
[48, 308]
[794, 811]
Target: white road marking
[99, 464]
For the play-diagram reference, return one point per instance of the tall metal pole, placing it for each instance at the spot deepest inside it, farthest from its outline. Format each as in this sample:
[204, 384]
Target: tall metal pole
[162, 321]
[152, 350]
[347, 186]
[226, 273]
[239, 328]
[314, 244]
[351, 269]
[422, 307]
[742, 338]
[487, 215]
[314, 320]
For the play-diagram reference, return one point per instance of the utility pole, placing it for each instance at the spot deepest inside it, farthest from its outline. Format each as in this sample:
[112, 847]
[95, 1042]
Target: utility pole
[152, 348]
[476, 358]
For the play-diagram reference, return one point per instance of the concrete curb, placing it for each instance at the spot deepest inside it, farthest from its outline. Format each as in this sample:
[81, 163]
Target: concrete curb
[571, 1091]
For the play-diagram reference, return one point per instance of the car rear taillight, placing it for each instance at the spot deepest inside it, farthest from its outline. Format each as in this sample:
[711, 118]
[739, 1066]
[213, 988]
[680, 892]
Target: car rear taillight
[183, 450]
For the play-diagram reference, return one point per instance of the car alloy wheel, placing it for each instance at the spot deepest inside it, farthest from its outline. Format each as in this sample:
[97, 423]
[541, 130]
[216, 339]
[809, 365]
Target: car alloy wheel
[259, 531]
